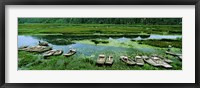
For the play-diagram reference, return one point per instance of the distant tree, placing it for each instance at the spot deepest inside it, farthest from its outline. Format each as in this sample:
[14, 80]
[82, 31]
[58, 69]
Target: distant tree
[145, 21]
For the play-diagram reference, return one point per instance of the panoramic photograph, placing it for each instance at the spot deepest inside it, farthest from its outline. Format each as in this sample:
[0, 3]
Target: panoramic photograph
[99, 43]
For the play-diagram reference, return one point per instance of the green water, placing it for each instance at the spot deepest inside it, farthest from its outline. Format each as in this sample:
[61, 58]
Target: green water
[85, 47]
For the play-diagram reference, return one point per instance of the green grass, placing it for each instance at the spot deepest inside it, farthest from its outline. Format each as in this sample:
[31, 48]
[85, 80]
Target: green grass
[163, 43]
[33, 61]
[90, 29]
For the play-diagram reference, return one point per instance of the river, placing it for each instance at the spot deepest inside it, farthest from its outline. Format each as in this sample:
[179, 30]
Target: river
[92, 49]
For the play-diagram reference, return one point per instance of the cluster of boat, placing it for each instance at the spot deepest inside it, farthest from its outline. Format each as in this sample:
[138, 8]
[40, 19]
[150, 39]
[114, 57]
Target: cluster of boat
[153, 60]
[103, 60]
[59, 52]
[44, 47]
[38, 48]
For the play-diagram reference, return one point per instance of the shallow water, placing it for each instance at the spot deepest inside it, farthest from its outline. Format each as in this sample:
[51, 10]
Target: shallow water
[82, 49]
[91, 49]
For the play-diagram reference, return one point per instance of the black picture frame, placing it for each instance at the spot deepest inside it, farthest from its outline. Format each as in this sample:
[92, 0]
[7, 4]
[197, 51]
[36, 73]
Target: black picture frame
[99, 2]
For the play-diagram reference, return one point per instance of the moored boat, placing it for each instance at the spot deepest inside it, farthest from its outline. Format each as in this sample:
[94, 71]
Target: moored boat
[38, 49]
[144, 57]
[160, 62]
[23, 48]
[139, 60]
[109, 60]
[70, 53]
[58, 52]
[43, 43]
[151, 62]
[48, 53]
[126, 60]
[101, 59]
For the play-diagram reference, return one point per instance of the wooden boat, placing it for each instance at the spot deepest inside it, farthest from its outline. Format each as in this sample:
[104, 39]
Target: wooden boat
[23, 48]
[139, 60]
[127, 60]
[109, 60]
[151, 62]
[48, 53]
[70, 53]
[43, 43]
[144, 57]
[38, 49]
[101, 59]
[160, 62]
[58, 52]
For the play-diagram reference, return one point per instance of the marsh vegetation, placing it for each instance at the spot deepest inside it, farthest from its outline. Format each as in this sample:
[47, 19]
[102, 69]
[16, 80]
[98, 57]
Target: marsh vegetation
[91, 37]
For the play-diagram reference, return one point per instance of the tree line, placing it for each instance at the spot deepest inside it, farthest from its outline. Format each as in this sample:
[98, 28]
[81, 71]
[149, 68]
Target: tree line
[146, 21]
